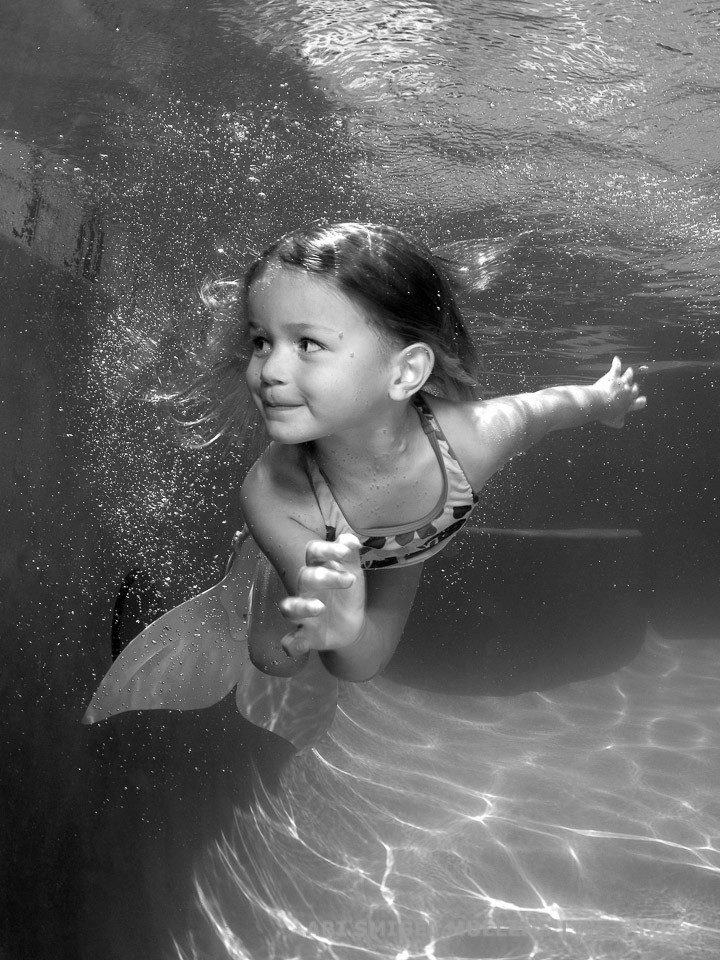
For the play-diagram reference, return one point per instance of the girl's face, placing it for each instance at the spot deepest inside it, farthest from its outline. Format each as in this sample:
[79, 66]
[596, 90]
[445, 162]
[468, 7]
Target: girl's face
[318, 368]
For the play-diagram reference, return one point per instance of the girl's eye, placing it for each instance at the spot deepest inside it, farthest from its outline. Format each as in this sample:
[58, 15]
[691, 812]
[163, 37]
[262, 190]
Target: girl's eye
[259, 344]
[309, 346]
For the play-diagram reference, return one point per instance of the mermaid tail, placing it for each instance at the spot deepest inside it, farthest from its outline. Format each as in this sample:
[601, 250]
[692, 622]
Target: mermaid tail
[195, 654]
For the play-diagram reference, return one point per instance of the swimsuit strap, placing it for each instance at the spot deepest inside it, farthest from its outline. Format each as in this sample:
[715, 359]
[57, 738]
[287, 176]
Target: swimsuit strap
[455, 484]
[321, 491]
[330, 511]
[455, 473]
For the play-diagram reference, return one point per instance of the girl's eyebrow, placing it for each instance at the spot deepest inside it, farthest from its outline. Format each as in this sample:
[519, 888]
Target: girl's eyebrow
[300, 327]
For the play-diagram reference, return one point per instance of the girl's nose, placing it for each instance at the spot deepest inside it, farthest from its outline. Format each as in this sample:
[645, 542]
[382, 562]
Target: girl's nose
[274, 368]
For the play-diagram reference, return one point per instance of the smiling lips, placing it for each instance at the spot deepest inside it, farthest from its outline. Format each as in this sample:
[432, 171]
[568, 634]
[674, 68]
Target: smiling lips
[274, 405]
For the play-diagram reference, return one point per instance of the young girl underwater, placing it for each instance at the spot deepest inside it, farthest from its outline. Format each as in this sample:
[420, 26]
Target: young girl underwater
[365, 378]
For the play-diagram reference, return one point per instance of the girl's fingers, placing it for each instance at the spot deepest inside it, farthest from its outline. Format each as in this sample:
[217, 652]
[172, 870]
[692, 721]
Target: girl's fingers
[313, 579]
[319, 552]
[349, 540]
[297, 609]
[294, 647]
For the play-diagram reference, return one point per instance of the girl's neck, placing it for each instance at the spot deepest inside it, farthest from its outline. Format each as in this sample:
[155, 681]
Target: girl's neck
[376, 448]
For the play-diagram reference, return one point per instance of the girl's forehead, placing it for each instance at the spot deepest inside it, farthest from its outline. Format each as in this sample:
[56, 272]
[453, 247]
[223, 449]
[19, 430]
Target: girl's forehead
[284, 290]
[275, 275]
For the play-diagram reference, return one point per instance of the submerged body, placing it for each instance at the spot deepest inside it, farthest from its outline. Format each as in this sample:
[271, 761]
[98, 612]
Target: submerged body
[336, 392]
[362, 371]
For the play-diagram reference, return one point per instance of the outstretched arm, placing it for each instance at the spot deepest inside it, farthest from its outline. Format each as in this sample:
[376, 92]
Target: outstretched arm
[608, 400]
[504, 426]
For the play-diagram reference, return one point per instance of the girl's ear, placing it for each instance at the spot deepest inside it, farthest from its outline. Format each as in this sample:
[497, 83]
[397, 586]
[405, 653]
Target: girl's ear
[412, 367]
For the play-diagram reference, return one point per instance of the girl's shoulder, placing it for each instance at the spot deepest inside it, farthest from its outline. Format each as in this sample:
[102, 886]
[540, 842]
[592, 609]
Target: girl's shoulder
[279, 473]
[277, 488]
[472, 429]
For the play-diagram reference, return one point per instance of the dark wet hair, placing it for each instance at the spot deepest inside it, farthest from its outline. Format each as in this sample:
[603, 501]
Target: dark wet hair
[405, 290]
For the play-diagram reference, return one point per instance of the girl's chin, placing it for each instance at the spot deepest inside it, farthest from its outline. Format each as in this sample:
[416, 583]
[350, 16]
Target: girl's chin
[285, 433]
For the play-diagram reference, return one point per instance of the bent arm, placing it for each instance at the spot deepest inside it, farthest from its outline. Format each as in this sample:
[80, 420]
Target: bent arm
[275, 504]
[318, 597]
[390, 596]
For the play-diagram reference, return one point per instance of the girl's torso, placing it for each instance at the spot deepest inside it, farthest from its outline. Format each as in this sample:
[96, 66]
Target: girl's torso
[430, 500]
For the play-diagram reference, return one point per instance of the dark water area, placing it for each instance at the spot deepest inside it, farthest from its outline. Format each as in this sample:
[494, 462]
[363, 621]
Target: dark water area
[536, 759]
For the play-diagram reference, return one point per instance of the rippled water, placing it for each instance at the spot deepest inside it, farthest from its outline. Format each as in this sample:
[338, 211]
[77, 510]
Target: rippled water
[567, 152]
[593, 125]
[581, 822]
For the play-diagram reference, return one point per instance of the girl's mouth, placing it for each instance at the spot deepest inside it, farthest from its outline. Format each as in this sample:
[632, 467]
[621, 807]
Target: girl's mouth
[270, 407]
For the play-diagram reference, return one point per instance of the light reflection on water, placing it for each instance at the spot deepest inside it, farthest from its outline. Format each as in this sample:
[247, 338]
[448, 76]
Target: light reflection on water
[580, 822]
[591, 126]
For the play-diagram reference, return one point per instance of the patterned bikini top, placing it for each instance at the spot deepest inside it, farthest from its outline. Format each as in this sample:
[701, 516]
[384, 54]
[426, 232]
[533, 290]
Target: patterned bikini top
[404, 543]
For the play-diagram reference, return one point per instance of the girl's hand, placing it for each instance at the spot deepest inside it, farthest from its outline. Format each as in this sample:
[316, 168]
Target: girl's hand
[329, 608]
[621, 395]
